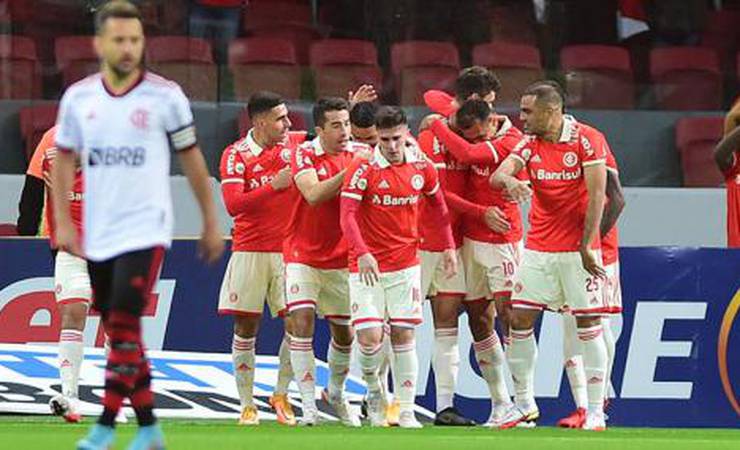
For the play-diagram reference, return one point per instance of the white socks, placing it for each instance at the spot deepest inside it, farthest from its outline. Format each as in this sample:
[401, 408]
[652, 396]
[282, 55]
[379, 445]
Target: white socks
[490, 357]
[611, 345]
[285, 371]
[243, 356]
[573, 361]
[522, 356]
[594, 362]
[338, 359]
[386, 363]
[369, 362]
[446, 364]
[304, 368]
[406, 371]
[70, 361]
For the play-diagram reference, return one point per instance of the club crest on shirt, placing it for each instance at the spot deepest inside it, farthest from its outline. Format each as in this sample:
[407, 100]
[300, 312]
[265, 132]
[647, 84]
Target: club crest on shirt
[285, 155]
[140, 118]
[417, 182]
[570, 159]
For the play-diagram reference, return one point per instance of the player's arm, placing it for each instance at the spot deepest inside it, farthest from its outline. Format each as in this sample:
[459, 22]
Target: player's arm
[595, 179]
[237, 201]
[462, 150]
[31, 204]
[211, 245]
[616, 203]
[726, 152]
[62, 176]
[440, 217]
[732, 119]
[315, 191]
[505, 178]
[349, 205]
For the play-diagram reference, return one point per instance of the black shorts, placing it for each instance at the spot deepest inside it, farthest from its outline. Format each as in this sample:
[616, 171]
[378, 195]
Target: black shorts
[125, 282]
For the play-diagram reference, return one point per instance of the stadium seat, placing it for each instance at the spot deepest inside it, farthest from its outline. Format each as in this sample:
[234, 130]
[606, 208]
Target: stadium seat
[8, 229]
[34, 122]
[299, 34]
[686, 78]
[340, 65]
[264, 64]
[187, 61]
[598, 77]
[75, 58]
[417, 66]
[516, 65]
[297, 119]
[20, 71]
[696, 138]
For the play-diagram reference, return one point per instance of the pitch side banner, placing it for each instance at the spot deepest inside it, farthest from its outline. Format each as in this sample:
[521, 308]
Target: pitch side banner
[677, 364]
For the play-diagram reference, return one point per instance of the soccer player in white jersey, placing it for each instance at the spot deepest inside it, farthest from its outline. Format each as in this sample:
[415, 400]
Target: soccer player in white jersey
[122, 122]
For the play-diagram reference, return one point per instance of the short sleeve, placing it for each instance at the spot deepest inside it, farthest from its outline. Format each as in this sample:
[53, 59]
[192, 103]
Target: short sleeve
[35, 166]
[522, 150]
[355, 185]
[611, 161]
[431, 180]
[232, 167]
[301, 161]
[179, 121]
[69, 133]
[593, 148]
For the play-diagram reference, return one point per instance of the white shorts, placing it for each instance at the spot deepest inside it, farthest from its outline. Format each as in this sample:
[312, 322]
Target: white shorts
[397, 296]
[557, 281]
[71, 279]
[613, 289]
[252, 278]
[325, 290]
[490, 269]
[433, 279]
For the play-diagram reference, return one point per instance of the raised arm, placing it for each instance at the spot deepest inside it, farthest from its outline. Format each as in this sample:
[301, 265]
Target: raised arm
[462, 150]
[315, 191]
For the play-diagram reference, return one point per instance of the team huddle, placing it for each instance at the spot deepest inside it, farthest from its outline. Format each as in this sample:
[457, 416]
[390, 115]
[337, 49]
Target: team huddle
[357, 222]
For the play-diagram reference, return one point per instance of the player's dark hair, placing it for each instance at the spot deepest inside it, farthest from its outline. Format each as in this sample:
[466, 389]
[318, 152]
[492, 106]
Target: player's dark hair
[326, 104]
[389, 117]
[474, 110]
[476, 80]
[262, 101]
[363, 114]
[116, 9]
[545, 93]
[559, 87]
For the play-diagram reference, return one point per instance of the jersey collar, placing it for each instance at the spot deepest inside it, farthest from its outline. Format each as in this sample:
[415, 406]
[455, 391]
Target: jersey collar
[318, 150]
[133, 86]
[569, 128]
[250, 144]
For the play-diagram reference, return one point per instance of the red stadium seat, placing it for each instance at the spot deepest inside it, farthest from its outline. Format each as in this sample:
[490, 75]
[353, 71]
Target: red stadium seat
[75, 58]
[686, 78]
[20, 71]
[598, 77]
[418, 66]
[516, 65]
[34, 122]
[299, 34]
[340, 65]
[8, 229]
[187, 61]
[264, 64]
[296, 118]
[696, 138]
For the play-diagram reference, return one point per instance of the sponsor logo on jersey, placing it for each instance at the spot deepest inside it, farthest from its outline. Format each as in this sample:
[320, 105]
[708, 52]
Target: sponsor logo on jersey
[390, 200]
[536, 159]
[563, 175]
[257, 168]
[117, 156]
[383, 185]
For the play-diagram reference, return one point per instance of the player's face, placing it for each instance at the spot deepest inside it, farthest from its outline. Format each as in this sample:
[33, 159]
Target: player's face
[120, 45]
[367, 135]
[481, 130]
[274, 124]
[392, 143]
[336, 131]
[535, 117]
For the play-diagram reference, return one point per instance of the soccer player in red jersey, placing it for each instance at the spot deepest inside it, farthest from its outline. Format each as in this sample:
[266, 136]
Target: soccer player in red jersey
[561, 266]
[255, 177]
[727, 156]
[380, 207]
[315, 254]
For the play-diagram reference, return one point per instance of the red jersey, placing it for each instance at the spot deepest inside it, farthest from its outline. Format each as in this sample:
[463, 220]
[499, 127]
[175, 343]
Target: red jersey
[610, 242]
[314, 235]
[75, 196]
[453, 178]
[732, 180]
[388, 216]
[560, 197]
[247, 171]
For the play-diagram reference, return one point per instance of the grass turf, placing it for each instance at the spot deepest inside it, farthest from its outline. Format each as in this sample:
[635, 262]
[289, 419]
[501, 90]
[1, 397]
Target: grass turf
[30, 433]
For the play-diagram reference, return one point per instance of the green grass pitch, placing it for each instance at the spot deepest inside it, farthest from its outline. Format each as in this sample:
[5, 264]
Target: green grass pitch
[36, 432]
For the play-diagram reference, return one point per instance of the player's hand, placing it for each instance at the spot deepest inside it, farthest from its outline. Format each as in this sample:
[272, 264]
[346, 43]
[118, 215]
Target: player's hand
[282, 180]
[211, 245]
[497, 220]
[365, 93]
[67, 239]
[590, 263]
[368, 268]
[426, 122]
[518, 190]
[47, 178]
[449, 259]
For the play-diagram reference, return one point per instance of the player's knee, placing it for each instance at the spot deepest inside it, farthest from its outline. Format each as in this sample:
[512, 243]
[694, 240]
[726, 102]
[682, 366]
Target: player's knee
[302, 322]
[74, 316]
[401, 335]
[370, 337]
[246, 326]
[520, 320]
[588, 321]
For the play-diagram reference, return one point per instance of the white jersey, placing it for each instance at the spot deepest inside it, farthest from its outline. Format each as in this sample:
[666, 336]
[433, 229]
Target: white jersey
[124, 144]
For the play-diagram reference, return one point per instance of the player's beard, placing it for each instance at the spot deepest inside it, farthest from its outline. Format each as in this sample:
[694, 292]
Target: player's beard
[121, 72]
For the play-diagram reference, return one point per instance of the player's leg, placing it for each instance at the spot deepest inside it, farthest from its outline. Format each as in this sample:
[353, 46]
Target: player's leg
[73, 295]
[573, 362]
[303, 286]
[610, 343]
[384, 374]
[613, 293]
